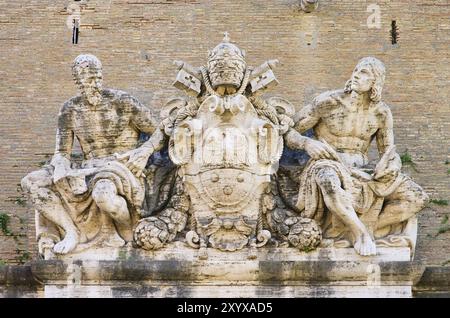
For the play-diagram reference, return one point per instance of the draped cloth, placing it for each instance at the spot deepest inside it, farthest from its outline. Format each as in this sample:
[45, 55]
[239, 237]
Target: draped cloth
[75, 192]
[366, 197]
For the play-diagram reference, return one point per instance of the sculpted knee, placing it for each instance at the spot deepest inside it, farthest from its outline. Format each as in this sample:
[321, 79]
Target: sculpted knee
[328, 181]
[38, 187]
[421, 199]
[103, 194]
[25, 183]
[415, 197]
[35, 180]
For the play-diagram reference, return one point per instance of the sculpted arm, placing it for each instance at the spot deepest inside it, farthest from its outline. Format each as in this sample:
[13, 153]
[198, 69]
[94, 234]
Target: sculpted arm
[385, 134]
[295, 140]
[64, 144]
[390, 163]
[306, 119]
[143, 120]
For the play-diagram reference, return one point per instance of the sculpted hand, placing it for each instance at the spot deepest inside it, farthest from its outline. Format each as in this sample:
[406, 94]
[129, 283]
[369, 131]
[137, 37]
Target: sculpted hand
[135, 160]
[286, 122]
[62, 168]
[319, 150]
[389, 166]
[389, 171]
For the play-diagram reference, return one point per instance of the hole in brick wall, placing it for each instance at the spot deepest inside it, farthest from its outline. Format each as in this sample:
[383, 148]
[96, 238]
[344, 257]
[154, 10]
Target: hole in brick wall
[394, 32]
[75, 32]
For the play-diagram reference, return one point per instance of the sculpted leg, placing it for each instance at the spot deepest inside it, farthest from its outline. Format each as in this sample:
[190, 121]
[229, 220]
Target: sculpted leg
[403, 204]
[106, 197]
[49, 205]
[338, 202]
[114, 206]
[55, 213]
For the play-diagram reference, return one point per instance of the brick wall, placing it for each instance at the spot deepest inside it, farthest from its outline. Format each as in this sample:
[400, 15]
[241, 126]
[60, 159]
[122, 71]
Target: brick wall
[137, 41]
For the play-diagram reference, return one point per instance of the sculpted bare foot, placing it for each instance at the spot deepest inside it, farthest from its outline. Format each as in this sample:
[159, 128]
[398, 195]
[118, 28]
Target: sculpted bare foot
[45, 245]
[68, 244]
[114, 240]
[364, 245]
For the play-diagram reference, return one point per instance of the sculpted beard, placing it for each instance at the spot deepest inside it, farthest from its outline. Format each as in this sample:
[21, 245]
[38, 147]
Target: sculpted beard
[92, 90]
[93, 94]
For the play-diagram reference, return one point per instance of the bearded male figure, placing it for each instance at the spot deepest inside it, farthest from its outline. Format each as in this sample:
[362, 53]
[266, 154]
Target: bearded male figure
[98, 200]
[364, 202]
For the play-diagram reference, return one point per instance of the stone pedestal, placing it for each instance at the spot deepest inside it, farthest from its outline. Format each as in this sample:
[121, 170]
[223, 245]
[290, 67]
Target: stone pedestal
[176, 271]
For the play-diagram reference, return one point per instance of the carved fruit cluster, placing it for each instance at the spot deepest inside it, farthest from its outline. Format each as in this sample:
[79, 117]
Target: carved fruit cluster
[302, 233]
[153, 232]
[305, 234]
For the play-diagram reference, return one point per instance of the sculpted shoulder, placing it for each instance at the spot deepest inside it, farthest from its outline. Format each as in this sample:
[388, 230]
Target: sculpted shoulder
[70, 105]
[384, 114]
[383, 109]
[112, 93]
[329, 100]
[122, 100]
[115, 95]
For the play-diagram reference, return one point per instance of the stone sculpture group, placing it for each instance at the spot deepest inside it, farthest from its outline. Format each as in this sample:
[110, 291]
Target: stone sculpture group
[211, 173]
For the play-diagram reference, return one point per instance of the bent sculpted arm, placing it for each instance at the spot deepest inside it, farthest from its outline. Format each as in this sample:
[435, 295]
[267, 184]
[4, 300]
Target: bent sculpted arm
[144, 121]
[305, 119]
[385, 133]
[390, 163]
[64, 143]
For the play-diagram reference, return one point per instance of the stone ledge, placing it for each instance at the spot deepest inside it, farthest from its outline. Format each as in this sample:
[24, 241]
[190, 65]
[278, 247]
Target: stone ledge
[438, 276]
[180, 251]
[265, 279]
[435, 282]
[226, 291]
[17, 275]
[17, 281]
[306, 272]
[322, 273]
[176, 271]
[180, 263]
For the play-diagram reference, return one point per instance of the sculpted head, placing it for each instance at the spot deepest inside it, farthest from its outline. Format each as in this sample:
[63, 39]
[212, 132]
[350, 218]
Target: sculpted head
[87, 73]
[226, 64]
[368, 76]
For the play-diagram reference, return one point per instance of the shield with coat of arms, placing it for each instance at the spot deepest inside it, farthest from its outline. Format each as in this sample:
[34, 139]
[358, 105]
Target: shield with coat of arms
[227, 187]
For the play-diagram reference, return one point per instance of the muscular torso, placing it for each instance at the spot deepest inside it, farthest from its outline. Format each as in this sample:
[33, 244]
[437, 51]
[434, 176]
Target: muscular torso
[112, 127]
[348, 125]
[103, 131]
